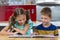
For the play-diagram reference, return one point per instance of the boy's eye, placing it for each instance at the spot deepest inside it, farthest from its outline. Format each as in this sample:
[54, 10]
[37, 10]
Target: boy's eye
[45, 18]
[41, 18]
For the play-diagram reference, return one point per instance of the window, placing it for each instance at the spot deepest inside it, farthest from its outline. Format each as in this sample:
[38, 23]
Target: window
[55, 12]
[16, 2]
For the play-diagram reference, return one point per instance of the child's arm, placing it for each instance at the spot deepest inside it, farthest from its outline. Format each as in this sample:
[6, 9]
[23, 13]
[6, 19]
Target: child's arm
[56, 32]
[35, 32]
[22, 31]
[5, 30]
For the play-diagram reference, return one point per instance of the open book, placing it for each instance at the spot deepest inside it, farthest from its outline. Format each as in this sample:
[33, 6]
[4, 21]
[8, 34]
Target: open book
[31, 36]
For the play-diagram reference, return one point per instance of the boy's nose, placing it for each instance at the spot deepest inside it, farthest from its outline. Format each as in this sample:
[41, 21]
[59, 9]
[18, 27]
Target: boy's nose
[43, 20]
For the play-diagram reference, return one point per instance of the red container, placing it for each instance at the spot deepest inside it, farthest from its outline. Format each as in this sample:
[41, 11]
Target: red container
[7, 11]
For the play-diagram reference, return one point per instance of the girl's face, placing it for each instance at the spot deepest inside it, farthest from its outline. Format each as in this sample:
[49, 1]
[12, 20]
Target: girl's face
[45, 19]
[21, 19]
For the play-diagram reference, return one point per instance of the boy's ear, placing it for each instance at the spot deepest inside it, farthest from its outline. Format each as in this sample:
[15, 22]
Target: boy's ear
[51, 18]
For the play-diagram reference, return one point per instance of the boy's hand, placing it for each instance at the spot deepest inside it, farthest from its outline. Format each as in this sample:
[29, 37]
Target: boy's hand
[34, 33]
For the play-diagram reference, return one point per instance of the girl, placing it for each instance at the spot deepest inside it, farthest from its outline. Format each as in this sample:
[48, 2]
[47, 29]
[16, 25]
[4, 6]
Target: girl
[19, 22]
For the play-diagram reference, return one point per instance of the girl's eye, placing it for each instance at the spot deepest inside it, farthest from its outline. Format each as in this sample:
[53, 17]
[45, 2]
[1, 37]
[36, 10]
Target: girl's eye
[19, 20]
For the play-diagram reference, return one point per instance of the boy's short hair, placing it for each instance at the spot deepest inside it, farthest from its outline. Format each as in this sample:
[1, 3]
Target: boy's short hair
[46, 11]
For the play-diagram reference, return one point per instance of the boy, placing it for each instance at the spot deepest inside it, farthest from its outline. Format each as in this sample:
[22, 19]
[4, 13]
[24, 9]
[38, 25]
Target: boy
[46, 28]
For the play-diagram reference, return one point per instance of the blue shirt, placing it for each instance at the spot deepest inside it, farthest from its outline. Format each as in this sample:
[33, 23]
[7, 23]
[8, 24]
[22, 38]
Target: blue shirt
[51, 30]
[51, 27]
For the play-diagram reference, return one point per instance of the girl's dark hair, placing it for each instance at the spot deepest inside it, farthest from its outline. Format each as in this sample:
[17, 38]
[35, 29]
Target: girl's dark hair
[18, 11]
[27, 14]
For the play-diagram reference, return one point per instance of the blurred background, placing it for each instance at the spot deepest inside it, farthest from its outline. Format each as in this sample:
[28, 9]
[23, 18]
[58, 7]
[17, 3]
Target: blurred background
[34, 6]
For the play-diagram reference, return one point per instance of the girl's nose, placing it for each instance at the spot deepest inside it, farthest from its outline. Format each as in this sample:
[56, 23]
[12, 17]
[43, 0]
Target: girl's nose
[22, 21]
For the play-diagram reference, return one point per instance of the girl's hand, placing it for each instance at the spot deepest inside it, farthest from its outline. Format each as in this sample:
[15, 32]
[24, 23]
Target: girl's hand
[10, 33]
[6, 33]
[14, 29]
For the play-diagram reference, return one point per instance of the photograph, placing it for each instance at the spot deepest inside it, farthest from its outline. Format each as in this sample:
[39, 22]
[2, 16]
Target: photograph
[29, 19]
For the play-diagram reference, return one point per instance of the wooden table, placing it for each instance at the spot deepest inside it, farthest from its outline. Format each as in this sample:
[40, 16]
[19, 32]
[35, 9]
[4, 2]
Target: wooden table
[6, 37]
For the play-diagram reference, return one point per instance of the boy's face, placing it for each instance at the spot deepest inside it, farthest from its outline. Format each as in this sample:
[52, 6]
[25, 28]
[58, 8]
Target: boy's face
[21, 19]
[45, 19]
